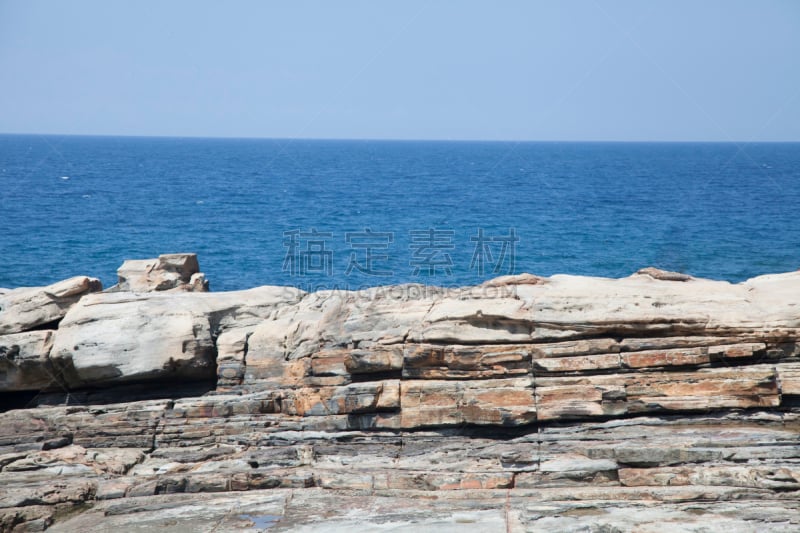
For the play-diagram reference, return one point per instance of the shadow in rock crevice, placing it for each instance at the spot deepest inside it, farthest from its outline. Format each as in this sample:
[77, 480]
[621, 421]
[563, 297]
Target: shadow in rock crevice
[129, 392]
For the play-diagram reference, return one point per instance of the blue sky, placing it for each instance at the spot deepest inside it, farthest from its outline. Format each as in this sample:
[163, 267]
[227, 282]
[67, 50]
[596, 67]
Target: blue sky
[513, 70]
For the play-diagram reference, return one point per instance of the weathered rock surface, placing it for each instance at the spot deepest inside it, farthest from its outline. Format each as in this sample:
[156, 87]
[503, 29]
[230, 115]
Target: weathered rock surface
[25, 363]
[122, 336]
[27, 308]
[170, 272]
[657, 402]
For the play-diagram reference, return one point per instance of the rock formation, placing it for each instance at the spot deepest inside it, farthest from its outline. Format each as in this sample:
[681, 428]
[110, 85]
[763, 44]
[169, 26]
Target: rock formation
[656, 402]
[170, 272]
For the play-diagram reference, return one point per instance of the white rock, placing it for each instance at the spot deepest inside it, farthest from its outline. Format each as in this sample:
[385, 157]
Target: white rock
[29, 307]
[122, 336]
[167, 272]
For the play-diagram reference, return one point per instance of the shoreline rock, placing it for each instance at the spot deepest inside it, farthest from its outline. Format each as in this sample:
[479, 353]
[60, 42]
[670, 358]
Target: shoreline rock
[169, 272]
[27, 308]
[648, 402]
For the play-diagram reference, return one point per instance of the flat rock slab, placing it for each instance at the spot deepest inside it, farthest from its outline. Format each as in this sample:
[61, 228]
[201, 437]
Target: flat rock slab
[343, 511]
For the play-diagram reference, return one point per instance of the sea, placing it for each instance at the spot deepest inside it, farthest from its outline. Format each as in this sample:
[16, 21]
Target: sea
[329, 214]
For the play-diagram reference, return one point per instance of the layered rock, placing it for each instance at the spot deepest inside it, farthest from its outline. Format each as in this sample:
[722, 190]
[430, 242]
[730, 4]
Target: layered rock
[645, 403]
[169, 272]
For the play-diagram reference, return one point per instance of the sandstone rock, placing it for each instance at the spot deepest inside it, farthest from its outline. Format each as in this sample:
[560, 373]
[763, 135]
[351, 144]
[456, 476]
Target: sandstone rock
[675, 357]
[24, 362]
[784, 478]
[576, 347]
[290, 334]
[789, 378]
[705, 389]
[108, 460]
[564, 403]
[374, 359]
[515, 279]
[167, 272]
[231, 356]
[501, 402]
[664, 343]
[736, 351]
[117, 337]
[578, 363]
[120, 336]
[663, 275]
[454, 511]
[357, 398]
[32, 307]
[465, 362]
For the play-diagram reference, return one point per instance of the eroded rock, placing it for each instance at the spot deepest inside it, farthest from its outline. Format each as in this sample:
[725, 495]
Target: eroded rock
[169, 272]
[525, 403]
[25, 362]
[122, 336]
[27, 308]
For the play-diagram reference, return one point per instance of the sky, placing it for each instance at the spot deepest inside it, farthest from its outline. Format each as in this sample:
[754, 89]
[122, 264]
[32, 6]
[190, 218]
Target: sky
[717, 70]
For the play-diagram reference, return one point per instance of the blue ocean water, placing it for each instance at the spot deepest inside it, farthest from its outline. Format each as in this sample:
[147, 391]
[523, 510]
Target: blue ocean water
[329, 214]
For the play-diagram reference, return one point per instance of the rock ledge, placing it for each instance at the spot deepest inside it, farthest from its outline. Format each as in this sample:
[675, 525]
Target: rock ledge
[655, 402]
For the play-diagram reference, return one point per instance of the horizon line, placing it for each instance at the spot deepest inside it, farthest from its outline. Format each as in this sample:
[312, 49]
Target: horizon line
[398, 139]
